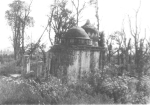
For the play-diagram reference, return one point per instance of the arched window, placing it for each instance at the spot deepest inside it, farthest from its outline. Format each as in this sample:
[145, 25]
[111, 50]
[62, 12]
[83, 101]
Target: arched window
[87, 42]
[79, 41]
[63, 41]
[82, 41]
[71, 41]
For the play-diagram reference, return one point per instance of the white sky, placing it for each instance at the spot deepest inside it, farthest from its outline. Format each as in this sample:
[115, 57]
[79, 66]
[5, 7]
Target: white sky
[111, 12]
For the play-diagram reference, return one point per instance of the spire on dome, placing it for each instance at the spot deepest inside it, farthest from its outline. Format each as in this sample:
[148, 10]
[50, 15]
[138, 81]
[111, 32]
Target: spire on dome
[87, 23]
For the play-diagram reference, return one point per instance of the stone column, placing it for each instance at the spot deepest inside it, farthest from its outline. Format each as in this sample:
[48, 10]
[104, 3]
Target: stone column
[39, 68]
[26, 64]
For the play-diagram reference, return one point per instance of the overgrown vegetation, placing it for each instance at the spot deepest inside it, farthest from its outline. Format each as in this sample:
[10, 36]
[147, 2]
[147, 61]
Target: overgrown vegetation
[52, 91]
[9, 68]
[122, 89]
[123, 76]
[95, 90]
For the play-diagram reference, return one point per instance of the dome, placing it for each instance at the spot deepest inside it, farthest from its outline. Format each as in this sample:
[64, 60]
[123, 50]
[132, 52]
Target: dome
[76, 33]
[88, 27]
[91, 31]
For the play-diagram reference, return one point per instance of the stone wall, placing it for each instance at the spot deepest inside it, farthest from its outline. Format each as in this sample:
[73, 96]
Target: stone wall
[72, 63]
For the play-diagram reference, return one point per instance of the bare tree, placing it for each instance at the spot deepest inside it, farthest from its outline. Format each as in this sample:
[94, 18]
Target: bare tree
[50, 24]
[18, 18]
[60, 19]
[97, 15]
[26, 19]
[141, 50]
[135, 32]
[78, 8]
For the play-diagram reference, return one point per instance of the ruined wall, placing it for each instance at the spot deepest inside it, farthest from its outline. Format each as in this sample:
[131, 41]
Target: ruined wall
[72, 63]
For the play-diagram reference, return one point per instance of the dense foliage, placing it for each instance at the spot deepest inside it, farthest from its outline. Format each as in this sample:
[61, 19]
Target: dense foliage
[122, 89]
[52, 91]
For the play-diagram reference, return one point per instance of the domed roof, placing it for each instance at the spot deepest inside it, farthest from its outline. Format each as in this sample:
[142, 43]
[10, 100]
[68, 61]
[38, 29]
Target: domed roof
[76, 32]
[88, 27]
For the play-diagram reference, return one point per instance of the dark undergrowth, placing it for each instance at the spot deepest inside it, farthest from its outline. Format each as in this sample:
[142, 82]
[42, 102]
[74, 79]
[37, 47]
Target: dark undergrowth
[97, 88]
[28, 91]
[9, 68]
[120, 90]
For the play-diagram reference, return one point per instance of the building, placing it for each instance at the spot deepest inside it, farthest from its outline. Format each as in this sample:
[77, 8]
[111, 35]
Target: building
[75, 55]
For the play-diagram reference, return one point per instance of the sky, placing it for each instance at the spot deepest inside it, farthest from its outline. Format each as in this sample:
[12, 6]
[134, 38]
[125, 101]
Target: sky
[113, 16]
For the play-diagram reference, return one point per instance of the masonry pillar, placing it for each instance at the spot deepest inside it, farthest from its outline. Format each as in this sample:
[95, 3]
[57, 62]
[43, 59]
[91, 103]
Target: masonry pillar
[26, 64]
[39, 68]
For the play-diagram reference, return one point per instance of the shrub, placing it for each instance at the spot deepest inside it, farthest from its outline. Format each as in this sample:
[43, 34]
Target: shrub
[9, 68]
[52, 90]
[82, 93]
[122, 89]
[142, 96]
[18, 91]
[118, 88]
